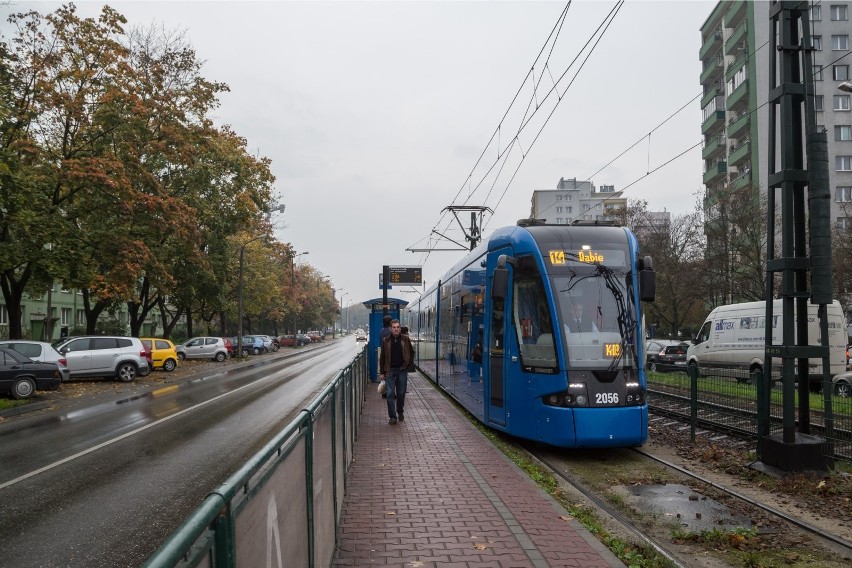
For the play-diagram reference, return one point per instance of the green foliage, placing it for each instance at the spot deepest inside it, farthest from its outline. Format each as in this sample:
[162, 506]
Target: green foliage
[114, 179]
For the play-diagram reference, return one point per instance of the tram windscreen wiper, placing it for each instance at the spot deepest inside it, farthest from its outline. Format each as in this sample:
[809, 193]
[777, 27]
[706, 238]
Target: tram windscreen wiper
[626, 324]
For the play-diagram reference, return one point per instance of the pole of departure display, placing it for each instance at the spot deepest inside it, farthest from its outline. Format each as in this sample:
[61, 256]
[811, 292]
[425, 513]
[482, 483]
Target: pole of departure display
[385, 280]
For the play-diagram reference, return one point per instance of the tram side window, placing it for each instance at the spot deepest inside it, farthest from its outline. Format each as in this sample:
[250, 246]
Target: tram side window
[533, 324]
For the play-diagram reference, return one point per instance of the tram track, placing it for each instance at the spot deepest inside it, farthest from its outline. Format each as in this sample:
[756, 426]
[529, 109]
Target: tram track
[813, 530]
[659, 538]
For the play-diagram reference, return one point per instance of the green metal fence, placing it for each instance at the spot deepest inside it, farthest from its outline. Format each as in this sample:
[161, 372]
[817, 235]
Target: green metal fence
[727, 400]
[283, 506]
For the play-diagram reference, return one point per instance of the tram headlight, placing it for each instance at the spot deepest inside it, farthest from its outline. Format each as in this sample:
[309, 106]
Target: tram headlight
[578, 394]
[635, 394]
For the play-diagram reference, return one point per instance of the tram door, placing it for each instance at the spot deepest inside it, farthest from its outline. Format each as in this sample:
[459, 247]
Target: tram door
[497, 354]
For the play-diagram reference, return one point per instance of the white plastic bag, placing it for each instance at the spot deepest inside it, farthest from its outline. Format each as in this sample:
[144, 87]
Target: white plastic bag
[382, 387]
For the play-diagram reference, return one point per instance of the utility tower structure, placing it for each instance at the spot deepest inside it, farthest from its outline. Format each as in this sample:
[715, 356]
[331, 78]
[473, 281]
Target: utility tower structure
[805, 201]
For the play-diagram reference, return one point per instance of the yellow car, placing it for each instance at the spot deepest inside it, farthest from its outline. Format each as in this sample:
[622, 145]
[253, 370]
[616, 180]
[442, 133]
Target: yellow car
[161, 353]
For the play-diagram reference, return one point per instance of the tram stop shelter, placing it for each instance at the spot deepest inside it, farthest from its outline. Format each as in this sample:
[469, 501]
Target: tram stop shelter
[376, 308]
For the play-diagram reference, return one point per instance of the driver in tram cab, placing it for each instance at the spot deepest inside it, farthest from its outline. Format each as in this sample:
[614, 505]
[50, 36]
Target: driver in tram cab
[577, 319]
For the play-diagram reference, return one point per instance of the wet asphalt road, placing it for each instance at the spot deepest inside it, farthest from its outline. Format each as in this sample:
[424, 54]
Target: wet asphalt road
[104, 485]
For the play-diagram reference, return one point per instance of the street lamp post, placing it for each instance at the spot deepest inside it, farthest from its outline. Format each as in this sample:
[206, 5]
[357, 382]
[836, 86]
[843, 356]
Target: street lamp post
[293, 286]
[240, 296]
[341, 308]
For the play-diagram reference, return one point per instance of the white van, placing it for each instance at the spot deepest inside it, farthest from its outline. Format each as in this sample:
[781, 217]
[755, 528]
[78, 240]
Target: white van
[733, 337]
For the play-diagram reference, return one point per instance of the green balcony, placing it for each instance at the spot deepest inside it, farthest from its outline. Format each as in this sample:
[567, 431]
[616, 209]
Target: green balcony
[733, 41]
[742, 181]
[740, 154]
[736, 65]
[737, 126]
[713, 121]
[709, 95]
[712, 72]
[712, 147]
[739, 98]
[714, 173]
[711, 44]
[735, 13]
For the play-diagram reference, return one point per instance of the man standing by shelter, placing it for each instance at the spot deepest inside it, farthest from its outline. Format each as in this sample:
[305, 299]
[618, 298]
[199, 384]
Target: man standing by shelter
[394, 359]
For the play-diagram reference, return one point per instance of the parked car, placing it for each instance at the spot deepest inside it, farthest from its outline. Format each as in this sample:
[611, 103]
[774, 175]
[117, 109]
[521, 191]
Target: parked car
[163, 353]
[230, 346]
[105, 356]
[293, 340]
[268, 345]
[20, 377]
[843, 384]
[203, 348]
[315, 336]
[360, 335]
[303, 338]
[655, 352]
[40, 352]
[671, 358]
[252, 345]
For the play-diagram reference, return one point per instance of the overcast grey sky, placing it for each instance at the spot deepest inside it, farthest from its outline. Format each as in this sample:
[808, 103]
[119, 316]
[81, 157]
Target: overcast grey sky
[374, 113]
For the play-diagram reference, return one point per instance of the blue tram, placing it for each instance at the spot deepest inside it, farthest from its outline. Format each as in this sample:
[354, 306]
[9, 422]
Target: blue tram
[538, 333]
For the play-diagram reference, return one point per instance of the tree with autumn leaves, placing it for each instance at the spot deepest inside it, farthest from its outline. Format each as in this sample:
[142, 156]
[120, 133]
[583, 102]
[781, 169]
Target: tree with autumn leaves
[115, 181]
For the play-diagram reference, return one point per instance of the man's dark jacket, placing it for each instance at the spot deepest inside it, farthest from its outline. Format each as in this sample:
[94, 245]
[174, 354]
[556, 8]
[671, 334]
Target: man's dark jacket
[385, 353]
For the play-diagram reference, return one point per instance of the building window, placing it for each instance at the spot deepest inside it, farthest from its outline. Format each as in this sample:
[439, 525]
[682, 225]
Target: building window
[843, 163]
[841, 72]
[4, 315]
[816, 43]
[559, 209]
[816, 13]
[585, 207]
[81, 317]
[568, 209]
[817, 72]
[838, 13]
[559, 220]
[818, 104]
[65, 318]
[841, 102]
[839, 42]
[843, 223]
[843, 194]
[843, 132]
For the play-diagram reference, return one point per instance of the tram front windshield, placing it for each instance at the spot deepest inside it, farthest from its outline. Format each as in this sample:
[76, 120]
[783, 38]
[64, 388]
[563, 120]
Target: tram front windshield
[596, 314]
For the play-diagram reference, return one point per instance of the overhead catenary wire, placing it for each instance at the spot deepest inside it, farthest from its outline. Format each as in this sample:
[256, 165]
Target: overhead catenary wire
[503, 155]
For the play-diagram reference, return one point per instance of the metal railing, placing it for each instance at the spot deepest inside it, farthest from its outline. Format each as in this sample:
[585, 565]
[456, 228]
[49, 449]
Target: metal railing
[284, 504]
[727, 400]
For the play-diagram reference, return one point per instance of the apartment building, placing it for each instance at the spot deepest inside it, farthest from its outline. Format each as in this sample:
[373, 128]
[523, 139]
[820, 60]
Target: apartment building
[66, 316]
[573, 200]
[735, 80]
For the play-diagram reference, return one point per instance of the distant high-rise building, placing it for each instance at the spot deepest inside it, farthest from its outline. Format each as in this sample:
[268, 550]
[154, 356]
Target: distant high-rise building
[735, 67]
[575, 200]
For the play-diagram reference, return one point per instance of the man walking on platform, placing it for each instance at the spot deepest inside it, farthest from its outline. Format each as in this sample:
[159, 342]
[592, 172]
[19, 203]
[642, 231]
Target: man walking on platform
[394, 359]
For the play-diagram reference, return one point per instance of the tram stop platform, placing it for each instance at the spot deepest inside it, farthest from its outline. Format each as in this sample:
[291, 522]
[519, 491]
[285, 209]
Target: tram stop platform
[432, 491]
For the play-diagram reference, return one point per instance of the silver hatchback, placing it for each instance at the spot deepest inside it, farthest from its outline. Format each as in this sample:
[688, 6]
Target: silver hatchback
[203, 348]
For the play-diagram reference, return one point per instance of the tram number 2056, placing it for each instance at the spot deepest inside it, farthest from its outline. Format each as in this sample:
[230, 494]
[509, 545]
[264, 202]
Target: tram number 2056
[606, 398]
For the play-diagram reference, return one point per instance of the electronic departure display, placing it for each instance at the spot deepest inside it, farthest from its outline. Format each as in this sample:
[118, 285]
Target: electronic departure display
[406, 275]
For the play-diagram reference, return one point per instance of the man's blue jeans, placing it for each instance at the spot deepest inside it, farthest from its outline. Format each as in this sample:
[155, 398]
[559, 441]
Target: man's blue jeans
[397, 383]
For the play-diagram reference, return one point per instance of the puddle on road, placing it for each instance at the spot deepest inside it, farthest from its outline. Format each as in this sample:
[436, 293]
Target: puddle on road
[684, 507]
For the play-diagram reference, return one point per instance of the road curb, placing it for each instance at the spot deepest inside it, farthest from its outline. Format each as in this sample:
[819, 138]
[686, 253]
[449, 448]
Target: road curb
[23, 409]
